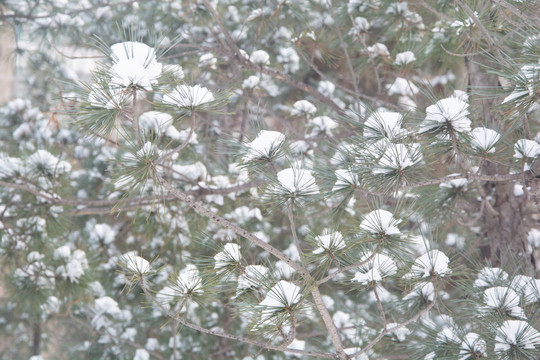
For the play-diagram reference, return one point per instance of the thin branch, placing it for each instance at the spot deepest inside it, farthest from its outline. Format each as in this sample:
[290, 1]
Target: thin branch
[236, 54]
[201, 210]
[470, 177]
[184, 144]
[379, 305]
[329, 323]
[436, 12]
[226, 335]
[520, 14]
[373, 342]
[349, 267]
[485, 33]
[295, 235]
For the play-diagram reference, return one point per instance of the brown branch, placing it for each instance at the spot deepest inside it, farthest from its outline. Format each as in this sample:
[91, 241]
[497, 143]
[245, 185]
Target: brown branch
[295, 235]
[184, 322]
[203, 211]
[235, 53]
[349, 267]
[373, 342]
[184, 144]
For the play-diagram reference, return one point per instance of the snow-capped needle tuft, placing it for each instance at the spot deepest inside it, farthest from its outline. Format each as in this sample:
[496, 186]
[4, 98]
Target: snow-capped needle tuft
[303, 107]
[405, 58]
[283, 294]
[379, 267]
[434, 262]
[134, 64]
[189, 281]
[298, 181]
[484, 139]
[135, 263]
[329, 241]
[503, 299]
[265, 146]
[229, 256]
[452, 112]
[185, 96]
[384, 125]
[525, 148]
[516, 333]
[380, 222]
[489, 276]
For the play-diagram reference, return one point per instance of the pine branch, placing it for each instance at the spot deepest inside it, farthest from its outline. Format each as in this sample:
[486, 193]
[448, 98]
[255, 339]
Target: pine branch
[198, 328]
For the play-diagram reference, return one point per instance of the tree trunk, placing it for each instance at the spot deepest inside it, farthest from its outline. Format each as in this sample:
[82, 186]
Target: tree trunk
[504, 227]
[36, 339]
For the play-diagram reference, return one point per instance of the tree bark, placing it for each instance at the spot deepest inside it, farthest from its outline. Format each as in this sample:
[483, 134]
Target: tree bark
[36, 339]
[504, 228]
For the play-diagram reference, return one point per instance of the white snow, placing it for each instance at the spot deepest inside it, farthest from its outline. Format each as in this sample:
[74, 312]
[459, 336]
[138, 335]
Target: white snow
[109, 98]
[63, 252]
[472, 344]
[281, 295]
[384, 124]
[141, 354]
[260, 57]
[303, 107]
[378, 49]
[398, 157]
[289, 58]
[422, 290]
[134, 64]
[405, 58]
[326, 87]
[403, 87]
[253, 276]
[265, 146]
[527, 80]
[525, 148]
[459, 183]
[322, 125]
[451, 111]
[229, 256]
[176, 70]
[298, 181]
[503, 299]
[251, 82]
[158, 122]
[360, 25]
[527, 287]
[345, 179]
[380, 222]
[331, 241]
[135, 263]
[106, 305]
[489, 276]
[44, 162]
[207, 60]
[534, 238]
[186, 96]
[189, 281]
[516, 333]
[434, 262]
[484, 139]
[74, 267]
[400, 333]
[379, 267]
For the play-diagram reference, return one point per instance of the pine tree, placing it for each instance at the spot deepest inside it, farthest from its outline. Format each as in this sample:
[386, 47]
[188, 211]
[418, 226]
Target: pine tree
[266, 180]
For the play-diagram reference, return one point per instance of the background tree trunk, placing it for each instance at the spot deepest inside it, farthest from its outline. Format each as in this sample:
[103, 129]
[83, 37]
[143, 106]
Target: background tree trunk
[505, 228]
[7, 67]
